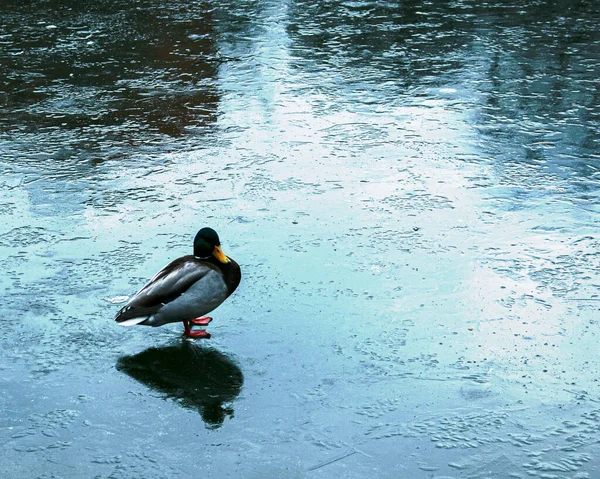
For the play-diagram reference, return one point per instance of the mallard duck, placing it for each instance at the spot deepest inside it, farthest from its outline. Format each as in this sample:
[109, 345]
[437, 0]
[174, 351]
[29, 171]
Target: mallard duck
[186, 289]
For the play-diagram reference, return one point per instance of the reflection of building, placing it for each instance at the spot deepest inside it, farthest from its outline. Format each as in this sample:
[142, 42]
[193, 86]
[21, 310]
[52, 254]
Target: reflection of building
[524, 72]
[197, 377]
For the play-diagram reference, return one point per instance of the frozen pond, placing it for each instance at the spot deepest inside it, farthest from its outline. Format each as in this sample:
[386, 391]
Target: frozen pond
[410, 188]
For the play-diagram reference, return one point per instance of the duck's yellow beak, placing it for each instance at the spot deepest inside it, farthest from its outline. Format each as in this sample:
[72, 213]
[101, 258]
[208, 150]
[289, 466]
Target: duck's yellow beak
[218, 253]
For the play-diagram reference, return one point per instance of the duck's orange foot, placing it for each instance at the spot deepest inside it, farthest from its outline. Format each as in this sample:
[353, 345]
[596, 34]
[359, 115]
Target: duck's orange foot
[200, 333]
[190, 333]
[203, 321]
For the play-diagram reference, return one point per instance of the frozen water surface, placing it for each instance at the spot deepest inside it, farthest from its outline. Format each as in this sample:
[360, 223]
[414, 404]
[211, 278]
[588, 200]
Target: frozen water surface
[411, 189]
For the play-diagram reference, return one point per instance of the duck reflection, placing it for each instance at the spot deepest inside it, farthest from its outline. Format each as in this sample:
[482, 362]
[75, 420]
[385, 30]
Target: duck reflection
[198, 378]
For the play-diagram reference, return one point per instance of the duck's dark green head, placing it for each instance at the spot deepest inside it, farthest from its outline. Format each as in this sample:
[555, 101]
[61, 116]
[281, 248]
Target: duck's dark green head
[207, 243]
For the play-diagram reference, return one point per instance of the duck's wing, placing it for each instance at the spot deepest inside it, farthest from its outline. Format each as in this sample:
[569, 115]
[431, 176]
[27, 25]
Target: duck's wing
[168, 284]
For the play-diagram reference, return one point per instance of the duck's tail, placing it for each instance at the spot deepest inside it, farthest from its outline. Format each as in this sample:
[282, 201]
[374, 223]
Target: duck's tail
[130, 315]
[131, 321]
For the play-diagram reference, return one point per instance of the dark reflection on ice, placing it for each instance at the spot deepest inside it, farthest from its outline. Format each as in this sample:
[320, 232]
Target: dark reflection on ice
[104, 78]
[198, 378]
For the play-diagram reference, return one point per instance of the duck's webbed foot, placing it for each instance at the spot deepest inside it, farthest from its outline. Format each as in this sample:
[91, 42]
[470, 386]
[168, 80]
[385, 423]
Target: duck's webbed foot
[200, 333]
[190, 333]
[203, 321]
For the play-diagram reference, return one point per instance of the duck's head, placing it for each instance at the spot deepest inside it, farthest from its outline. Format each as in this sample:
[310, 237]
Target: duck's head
[207, 244]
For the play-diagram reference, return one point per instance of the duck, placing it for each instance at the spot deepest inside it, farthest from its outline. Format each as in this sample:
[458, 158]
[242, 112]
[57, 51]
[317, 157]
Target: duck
[186, 289]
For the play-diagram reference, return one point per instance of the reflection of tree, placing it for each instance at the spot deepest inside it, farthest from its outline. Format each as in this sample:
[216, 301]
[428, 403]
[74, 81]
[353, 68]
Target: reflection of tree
[105, 74]
[198, 378]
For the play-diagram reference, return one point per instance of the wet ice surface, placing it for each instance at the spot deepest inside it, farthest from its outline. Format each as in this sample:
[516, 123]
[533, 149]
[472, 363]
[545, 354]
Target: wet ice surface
[412, 195]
